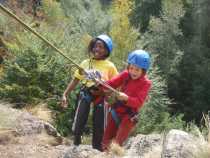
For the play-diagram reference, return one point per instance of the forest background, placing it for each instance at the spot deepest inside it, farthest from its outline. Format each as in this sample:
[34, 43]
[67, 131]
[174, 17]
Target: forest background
[175, 33]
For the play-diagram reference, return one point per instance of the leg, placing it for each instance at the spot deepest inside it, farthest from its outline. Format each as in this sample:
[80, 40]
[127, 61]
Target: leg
[98, 126]
[124, 130]
[81, 117]
[109, 133]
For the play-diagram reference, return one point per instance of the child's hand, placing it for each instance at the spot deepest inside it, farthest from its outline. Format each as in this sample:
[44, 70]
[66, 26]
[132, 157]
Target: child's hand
[122, 96]
[93, 74]
[64, 103]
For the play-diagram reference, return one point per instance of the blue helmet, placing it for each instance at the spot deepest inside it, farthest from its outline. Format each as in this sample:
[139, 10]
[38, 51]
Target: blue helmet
[107, 40]
[140, 58]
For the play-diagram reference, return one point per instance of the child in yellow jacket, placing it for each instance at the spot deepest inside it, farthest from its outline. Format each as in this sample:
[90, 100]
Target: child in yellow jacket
[100, 48]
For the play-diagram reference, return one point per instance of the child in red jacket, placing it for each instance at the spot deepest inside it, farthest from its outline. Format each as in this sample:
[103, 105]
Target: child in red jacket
[134, 86]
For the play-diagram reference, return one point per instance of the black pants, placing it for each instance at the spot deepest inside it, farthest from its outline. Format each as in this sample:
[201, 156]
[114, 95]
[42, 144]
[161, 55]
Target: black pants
[98, 126]
[81, 117]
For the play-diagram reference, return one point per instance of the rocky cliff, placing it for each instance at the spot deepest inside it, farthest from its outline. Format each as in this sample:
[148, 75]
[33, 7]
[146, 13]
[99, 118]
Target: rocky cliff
[23, 135]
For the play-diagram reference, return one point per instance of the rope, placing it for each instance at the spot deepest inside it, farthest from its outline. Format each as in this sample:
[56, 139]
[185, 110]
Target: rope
[55, 48]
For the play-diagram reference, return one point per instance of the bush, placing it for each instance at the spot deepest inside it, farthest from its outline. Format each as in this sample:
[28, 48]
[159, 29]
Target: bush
[33, 74]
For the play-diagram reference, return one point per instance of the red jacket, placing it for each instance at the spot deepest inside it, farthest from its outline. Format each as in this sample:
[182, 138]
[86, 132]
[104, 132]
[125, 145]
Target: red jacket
[137, 90]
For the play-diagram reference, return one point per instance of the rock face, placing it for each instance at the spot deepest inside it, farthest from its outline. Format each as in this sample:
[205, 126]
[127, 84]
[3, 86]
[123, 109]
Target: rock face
[175, 144]
[144, 145]
[24, 135]
[82, 151]
[26, 124]
[179, 144]
[23, 123]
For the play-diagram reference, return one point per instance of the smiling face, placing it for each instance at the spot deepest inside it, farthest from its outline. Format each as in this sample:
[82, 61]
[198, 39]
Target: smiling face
[134, 71]
[99, 50]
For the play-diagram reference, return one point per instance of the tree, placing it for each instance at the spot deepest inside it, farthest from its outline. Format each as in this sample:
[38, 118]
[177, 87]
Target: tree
[162, 39]
[164, 35]
[88, 14]
[192, 89]
[123, 34]
[142, 12]
[32, 74]
[106, 2]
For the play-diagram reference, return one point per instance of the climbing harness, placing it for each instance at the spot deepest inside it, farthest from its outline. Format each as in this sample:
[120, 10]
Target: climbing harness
[115, 117]
[127, 110]
[116, 103]
[92, 74]
[96, 80]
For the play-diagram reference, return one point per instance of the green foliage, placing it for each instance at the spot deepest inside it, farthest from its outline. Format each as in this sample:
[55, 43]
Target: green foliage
[193, 94]
[200, 132]
[142, 12]
[33, 74]
[53, 11]
[192, 82]
[163, 35]
[3, 20]
[6, 27]
[88, 14]
[105, 2]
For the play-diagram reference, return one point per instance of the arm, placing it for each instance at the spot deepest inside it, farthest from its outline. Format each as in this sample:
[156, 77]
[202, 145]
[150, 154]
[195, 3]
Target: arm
[117, 81]
[69, 88]
[137, 101]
